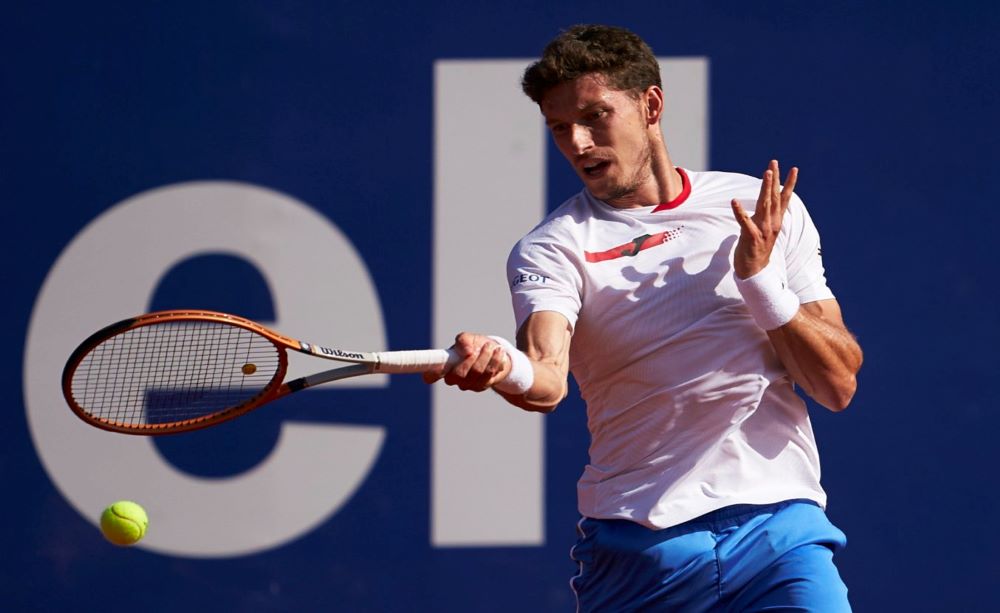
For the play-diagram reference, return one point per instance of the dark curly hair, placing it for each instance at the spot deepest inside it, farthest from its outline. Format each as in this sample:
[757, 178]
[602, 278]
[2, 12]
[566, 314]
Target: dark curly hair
[624, 59]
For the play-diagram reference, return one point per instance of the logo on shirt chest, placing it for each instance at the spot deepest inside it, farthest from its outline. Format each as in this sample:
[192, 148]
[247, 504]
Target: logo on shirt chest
[633, 247]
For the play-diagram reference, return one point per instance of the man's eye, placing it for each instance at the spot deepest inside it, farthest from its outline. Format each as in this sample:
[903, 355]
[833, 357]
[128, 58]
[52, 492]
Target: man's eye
[558, 128]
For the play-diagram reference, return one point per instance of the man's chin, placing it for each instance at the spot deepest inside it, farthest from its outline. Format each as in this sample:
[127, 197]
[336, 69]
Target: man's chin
[599, 188]
[606, 192]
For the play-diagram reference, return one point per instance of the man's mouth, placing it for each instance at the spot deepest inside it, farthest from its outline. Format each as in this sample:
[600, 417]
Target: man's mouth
[595, 168]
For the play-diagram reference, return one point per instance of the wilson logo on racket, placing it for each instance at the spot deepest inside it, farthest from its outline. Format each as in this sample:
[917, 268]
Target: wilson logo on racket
[337, 353]
[633, 247]
[175, 371]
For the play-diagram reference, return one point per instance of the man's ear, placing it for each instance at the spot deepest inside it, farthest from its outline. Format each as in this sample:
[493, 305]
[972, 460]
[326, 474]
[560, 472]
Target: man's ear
[652, 100]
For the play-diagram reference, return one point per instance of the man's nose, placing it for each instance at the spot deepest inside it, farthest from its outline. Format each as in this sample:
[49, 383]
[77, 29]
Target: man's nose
[580, 139]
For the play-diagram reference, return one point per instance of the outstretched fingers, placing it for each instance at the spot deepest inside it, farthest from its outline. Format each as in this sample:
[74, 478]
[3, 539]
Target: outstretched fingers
[759, 232]
[762, 212]
[774, 198]
[747, 224]
[788, 189]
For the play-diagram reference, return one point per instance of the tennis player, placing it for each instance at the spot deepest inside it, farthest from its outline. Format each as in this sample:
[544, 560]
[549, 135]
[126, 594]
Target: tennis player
[687, 305]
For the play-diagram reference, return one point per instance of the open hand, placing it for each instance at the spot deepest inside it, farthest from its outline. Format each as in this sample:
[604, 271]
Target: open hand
[759, 232]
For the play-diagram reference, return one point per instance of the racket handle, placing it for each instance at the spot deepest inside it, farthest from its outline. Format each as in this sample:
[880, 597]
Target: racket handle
[415, 361]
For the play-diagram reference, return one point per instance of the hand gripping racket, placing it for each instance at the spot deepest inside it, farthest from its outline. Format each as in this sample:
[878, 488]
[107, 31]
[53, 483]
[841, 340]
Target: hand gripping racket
[176, 371]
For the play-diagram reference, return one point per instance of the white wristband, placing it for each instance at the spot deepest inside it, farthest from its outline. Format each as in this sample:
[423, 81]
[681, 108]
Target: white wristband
[522, 373]
[770, 302]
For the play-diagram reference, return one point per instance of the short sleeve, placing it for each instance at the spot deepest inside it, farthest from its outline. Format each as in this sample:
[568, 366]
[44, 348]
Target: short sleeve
[542, 276]
[803, 255]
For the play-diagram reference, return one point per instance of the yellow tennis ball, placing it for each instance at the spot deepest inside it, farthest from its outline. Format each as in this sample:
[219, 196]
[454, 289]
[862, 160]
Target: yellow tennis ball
[124, 523]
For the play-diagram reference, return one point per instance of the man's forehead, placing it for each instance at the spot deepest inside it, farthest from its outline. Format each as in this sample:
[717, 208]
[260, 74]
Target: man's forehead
[580, 94]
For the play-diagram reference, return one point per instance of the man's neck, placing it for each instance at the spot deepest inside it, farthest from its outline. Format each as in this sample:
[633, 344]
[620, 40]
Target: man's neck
[664, 183]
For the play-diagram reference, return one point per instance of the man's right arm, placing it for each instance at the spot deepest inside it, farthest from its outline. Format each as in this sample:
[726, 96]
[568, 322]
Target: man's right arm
[544, 338]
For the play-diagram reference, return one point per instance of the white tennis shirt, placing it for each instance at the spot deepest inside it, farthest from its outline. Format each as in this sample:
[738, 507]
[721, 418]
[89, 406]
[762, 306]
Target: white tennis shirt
[688, 407]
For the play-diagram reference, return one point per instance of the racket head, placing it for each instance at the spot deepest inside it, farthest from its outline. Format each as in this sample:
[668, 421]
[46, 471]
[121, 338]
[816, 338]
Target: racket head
[175, 371]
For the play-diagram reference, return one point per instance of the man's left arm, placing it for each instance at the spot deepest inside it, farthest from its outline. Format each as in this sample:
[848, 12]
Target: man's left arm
[811, 340]
[820, 354]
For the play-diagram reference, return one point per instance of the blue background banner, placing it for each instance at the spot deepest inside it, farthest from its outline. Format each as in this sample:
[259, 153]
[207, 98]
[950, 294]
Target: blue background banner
[128, 130]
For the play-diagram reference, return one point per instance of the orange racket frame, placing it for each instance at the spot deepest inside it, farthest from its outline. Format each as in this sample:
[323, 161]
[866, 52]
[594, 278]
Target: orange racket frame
[361, 363]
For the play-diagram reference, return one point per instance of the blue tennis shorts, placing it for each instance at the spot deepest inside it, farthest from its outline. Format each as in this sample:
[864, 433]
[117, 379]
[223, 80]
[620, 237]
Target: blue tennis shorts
[775, 557]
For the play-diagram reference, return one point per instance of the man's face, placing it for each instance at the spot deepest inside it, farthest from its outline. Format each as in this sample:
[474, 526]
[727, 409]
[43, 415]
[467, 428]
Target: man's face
[603, 133]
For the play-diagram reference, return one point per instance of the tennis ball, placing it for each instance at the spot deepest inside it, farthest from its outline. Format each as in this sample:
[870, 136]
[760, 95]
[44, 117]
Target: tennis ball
[124, 523]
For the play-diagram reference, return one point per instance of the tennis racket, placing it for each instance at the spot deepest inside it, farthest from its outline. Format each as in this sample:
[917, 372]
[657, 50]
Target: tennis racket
[177, 371]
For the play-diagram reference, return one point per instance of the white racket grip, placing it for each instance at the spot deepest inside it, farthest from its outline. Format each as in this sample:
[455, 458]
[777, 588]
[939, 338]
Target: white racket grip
[421, 360]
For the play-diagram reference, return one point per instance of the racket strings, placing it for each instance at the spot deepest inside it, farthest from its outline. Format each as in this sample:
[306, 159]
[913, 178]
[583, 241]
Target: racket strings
[174, 371]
